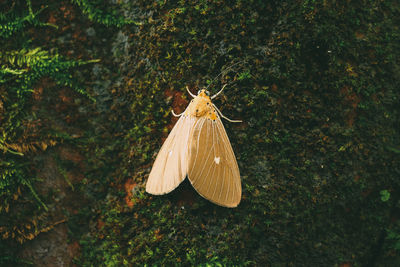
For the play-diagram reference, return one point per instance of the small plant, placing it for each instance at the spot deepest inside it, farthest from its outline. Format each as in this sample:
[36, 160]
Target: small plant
[385, 195]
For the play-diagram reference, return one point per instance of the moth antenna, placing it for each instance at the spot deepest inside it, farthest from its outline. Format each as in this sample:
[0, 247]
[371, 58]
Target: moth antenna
[222, 72]
[220, 91]
[222, 115]
[176, 115]
[190, 93]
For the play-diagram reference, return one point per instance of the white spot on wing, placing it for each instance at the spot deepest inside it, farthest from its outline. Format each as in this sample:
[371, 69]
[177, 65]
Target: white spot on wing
[170, 153]
[217, 160]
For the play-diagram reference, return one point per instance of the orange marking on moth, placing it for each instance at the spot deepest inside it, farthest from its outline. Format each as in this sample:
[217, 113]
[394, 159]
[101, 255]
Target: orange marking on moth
[212, 116]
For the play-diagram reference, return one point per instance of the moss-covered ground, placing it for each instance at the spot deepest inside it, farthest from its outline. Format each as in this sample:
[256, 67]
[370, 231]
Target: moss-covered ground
[315, 82]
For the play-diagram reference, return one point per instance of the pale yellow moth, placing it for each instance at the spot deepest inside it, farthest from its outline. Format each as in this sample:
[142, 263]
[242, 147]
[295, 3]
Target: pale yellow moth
[198, 148]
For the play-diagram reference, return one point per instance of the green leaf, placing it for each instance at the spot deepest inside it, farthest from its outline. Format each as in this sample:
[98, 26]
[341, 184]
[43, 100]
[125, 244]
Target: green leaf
[385, 195]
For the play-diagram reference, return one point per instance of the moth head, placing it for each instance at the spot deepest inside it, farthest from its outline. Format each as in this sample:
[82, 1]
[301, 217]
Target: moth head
[203, 91]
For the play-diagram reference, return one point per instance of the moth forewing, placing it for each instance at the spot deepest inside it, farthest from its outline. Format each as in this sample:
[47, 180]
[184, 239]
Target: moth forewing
[170, 166]
[212, 169]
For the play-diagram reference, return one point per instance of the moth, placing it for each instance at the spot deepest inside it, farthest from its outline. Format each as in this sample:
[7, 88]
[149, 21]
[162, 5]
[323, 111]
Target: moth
[198, 147]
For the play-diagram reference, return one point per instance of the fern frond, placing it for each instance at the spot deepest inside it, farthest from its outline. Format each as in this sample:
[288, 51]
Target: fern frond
[11, 24]
[23, 57]
[95, 13]
[36, 196]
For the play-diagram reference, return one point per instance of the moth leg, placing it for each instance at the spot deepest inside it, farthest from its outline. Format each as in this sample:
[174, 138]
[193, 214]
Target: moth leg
[222, 115]
[220, 91]
[176, 115]
[190, 93]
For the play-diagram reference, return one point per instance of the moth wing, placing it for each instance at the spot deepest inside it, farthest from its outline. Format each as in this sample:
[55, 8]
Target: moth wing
[170, 166]
[212, 169]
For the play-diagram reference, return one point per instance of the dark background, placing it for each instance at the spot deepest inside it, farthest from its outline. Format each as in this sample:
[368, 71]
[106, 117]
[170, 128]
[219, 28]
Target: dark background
[86, 89]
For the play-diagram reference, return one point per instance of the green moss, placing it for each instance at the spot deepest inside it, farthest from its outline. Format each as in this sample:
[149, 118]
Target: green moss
[310, 87]
[315, 84]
